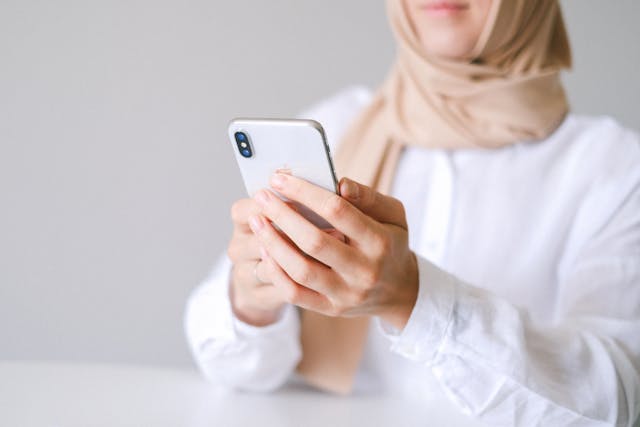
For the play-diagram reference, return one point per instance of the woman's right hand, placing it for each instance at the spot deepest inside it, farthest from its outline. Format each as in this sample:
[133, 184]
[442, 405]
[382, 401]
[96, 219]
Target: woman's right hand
[253, 298]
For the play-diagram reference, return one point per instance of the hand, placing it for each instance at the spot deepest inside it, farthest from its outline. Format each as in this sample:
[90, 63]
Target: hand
[372, 272]
[253, 298]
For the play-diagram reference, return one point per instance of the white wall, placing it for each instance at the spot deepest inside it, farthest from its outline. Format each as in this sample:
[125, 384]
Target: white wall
[115, 174]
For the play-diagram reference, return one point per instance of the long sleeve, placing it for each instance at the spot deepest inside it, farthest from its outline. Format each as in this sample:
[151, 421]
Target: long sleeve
[581, 368]
[231, 353]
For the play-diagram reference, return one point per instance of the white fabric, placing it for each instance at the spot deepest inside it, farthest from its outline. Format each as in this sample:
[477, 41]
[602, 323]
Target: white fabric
[529, 305]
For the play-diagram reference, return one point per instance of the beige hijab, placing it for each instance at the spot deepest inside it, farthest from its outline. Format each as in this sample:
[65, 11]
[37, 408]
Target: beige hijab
[507, 91]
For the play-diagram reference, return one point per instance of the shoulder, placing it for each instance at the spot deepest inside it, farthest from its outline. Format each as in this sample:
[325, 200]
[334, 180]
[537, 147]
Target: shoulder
[603, 157]
[599, 160]
[590, 152]
[337, 111]
[601, 152]
[600, 141]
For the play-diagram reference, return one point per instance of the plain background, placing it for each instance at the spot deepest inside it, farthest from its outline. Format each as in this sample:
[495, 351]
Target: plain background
[115, 174]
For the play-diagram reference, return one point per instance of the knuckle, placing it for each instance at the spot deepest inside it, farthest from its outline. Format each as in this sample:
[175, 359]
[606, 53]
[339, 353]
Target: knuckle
[315, 243]
[334, 206]
[371, 276]
[304, 273]
[381, 245]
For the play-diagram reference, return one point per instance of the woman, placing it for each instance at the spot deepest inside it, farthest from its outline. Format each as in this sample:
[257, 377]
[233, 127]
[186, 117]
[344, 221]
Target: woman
[516, 292]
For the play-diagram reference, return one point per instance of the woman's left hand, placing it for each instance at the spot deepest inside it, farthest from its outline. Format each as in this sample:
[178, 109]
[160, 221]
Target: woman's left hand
[371, 272]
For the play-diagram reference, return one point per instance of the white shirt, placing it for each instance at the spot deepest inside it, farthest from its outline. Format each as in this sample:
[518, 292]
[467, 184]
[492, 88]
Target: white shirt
[528, 310]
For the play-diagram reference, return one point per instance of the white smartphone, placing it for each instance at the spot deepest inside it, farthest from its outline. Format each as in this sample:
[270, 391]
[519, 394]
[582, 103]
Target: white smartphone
[294, 146]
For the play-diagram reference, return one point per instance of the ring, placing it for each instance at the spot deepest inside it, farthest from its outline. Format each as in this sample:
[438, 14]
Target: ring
[255, 273]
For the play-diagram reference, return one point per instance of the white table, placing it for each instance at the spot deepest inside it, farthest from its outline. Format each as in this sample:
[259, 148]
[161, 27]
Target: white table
[64, 395]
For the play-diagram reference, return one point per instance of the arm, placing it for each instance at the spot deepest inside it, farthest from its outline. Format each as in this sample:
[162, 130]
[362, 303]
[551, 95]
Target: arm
[236, 343]
[580, 369]
[497, 364]
[235, 354]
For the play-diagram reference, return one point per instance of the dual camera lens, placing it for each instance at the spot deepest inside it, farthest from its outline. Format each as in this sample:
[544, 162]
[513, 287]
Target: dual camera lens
[243, 144]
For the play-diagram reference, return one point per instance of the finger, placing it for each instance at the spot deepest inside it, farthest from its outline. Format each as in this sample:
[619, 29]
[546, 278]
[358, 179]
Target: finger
[241, 210]
[337, 211]
[247, 295]
[243, 247]
[260, 273]
[303, 270]
[251, 274]
[336, 234]
[382, 208]
[306, 236]
[293, 292]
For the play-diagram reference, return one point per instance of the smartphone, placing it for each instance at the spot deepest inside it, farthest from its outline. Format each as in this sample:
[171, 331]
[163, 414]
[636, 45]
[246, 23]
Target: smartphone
[298, 147]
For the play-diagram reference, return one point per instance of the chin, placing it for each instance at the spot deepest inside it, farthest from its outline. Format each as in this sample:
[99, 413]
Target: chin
[451, 46]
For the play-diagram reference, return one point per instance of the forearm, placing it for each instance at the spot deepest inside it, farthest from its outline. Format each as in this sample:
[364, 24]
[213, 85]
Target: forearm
[501, 367]
[234, 354]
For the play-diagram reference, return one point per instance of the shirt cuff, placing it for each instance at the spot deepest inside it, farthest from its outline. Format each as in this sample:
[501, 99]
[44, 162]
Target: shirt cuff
[421, 338]
[287, 320]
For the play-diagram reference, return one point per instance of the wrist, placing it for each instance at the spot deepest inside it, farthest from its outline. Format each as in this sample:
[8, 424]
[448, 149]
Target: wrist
[251, 314]
[399, 316]
[399, 313]
[256, 317]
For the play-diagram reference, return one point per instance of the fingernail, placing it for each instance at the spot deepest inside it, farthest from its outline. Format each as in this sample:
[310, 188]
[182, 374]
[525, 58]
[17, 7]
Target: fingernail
[278, 181]
[350, 189]
[256, 223]
[262, 197]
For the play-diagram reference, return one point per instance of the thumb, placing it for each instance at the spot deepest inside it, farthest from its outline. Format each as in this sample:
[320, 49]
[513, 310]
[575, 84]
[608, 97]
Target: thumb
[381, 208]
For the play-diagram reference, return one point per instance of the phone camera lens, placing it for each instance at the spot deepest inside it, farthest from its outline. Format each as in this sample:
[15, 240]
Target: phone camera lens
[242, 141]
[241, 137]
